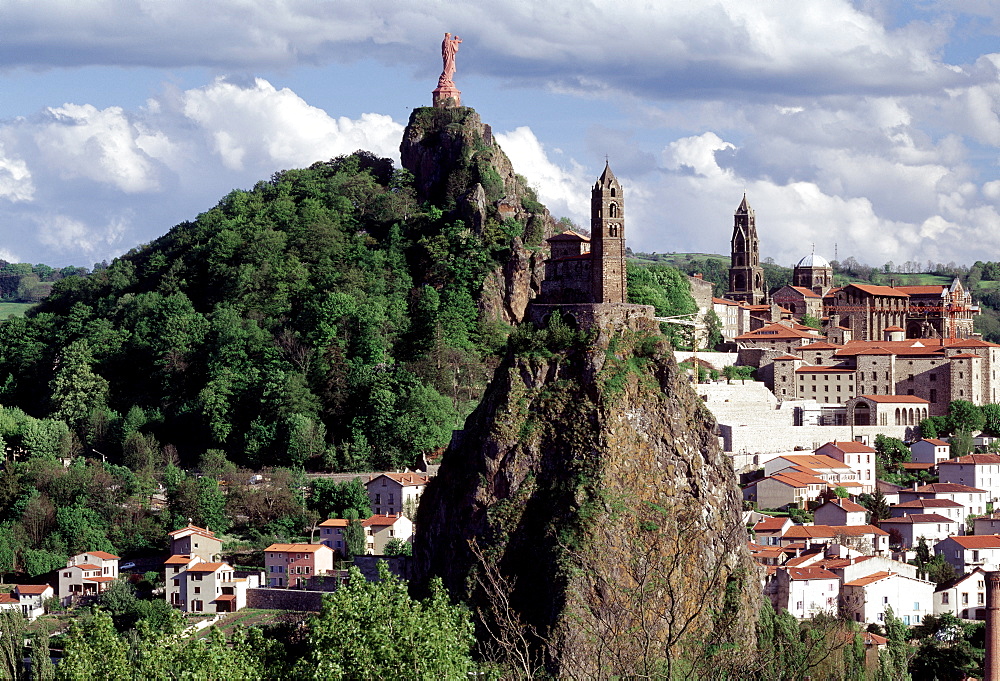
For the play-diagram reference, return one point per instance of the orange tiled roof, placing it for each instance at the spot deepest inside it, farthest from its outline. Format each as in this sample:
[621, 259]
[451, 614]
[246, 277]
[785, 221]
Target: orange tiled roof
[178, 559]
[814, 461]
[404, 479]
[35, 589]
[928, 503]
[851, 447]
[808, 293]
[334, 522]
[380, 520]
[824, 370]
[974, 459]
[821, 345]
[770, 524]
[207, 567]
[978, 541]
[895, 399]
[865, 581]
[193, 529]
[7, 599]
[879, 290]
[103, 555]
[944, 487]
[810, 573]
[568, 235]
[296, 548]
[912, 518]
[848, 505]
[923, 290]
[85, 566]
[934, 441]
[774, 332]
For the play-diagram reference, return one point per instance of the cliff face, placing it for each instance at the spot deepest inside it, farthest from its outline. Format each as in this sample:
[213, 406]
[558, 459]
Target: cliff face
[457, 164]
[588, 507]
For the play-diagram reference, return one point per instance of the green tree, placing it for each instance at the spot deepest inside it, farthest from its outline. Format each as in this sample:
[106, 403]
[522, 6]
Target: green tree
[965, 416]
[94, 650]
[76, 389]
[332, 499]
[811, 322]
[354, 535]
[991, 419]
[890, 452]
[960, 443]
[398, 547]
[212, 505]
[13, 629]
[374, 630]
[895, 659]
[713, 329]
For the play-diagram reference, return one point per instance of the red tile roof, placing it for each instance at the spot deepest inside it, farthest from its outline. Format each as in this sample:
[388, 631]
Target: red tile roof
[933, 441]
[851, 447]
[770, 524]
[929, 503]
[207, 567]
[774, 332]
[35, 589]
[296, 548]
[821, 345]
[404, 479]
[810, 573]
[568, 235]
[965, 355]
[923, 290]
[974, 459]
[7, 599]
[102, 555]
[978, 541]
[865, 581]
[879, 290]
[381, 520]
[823, 370]
[177, 559]
[808, 293]
[848, 505]
[944, 487]
[916, 518]
[895, 399]
[334, 522]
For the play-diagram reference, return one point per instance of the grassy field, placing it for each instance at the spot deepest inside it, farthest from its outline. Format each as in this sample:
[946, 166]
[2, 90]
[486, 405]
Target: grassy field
[16, 309]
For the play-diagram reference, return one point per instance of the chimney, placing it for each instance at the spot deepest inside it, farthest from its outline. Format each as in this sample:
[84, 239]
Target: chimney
[915, 485]
[991, 667]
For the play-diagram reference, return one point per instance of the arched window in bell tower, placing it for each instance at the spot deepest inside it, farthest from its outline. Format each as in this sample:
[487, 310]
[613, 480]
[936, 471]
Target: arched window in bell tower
[613, 192]
[613, 210]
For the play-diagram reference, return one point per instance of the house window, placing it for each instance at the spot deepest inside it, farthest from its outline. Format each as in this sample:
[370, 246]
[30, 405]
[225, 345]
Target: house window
[378, 498]
[933, 377]
[980, 598]
[197, 589]
[944, 598]
[965, 599]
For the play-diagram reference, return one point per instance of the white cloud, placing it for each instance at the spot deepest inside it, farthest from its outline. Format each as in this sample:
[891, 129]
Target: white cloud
[261, 125]
[563, 191]
[69, 234]
[15, 179]
[100, 145]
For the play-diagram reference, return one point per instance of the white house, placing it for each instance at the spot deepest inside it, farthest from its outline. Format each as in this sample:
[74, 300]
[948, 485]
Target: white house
[866, 599]
[859, 457]
[945, 507]
[380, 529]
[86, 574]
[971, 551]
[974, 470]
[388, 492]
[28, 599]
[785, 489]
[973, 498]
[840, 512]
[964, 597]
[200, 586]
[911, 527]
[930, 451]
[805, 592]
[873, 539]
[769, 530]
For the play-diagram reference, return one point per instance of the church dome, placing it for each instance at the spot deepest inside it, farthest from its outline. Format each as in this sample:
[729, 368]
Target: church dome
[813, 260]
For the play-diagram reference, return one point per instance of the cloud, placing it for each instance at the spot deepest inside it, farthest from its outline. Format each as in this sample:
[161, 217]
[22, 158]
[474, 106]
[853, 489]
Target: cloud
[664, 50]
[560, 189]
[259, 125]
[90, 183]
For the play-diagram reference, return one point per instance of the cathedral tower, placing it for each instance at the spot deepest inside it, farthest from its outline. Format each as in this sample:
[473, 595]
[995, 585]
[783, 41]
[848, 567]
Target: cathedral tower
[746, 277]
[607, 239]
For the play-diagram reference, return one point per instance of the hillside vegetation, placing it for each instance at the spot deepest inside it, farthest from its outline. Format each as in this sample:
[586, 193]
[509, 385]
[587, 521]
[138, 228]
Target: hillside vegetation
[323, 316]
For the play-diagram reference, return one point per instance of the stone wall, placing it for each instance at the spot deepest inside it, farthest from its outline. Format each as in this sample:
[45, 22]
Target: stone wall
[284, 599]
[759, 439]
[597, 315]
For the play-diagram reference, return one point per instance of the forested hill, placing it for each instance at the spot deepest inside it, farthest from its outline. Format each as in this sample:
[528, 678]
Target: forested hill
[326, 316]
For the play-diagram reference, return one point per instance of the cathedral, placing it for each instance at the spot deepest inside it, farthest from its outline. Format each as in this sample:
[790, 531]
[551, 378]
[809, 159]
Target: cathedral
[746, 276]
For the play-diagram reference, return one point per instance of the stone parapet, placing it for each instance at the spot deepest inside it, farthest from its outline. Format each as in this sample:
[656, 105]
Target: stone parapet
[284, 599]
[762, 439]
[596, 315]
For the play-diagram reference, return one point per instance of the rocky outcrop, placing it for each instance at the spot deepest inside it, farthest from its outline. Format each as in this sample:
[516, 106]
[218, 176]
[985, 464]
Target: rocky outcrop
[588, 515]
[458, 165]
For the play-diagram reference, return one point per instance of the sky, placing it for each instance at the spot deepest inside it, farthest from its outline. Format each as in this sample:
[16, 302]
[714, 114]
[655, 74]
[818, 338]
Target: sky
[868, 129]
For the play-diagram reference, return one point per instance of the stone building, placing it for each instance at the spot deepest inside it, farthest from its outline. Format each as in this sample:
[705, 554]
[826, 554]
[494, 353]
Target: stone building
[746, 276]
[866, 309]
[939, 311]
[932, 371]
[814, 273]
[585, 278]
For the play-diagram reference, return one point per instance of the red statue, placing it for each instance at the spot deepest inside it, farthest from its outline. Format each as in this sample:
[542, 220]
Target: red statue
[446, 94]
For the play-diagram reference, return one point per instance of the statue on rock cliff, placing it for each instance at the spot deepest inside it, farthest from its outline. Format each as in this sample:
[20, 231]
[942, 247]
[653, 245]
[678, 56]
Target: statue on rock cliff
[446, 94]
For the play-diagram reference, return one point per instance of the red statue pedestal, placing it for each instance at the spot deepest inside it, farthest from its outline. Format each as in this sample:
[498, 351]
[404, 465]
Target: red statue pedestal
[446, 95]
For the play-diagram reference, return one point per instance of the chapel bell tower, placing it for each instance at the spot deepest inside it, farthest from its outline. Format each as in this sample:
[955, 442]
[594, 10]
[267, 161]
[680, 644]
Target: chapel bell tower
[607, 239]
